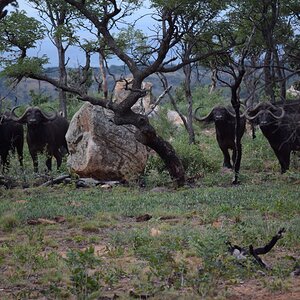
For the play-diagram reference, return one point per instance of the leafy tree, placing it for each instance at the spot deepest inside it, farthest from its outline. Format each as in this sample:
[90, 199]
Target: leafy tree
[58, 17]
[273, 21]
[20, 33]
[159, 56]
[197, 22]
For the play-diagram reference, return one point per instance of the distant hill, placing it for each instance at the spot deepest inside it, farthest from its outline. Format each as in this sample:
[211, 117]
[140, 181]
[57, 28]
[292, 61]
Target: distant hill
[21, 93]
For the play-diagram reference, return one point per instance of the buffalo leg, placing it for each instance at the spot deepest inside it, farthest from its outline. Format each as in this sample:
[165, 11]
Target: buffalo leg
[35, 161]
[226, 155]
[283, 157]
[5, 161]
[20, 156]
[49, 162]
[58, 158]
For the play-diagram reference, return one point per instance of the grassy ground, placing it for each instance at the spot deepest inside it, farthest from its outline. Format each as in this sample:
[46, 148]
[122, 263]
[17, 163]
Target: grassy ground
[129, 242]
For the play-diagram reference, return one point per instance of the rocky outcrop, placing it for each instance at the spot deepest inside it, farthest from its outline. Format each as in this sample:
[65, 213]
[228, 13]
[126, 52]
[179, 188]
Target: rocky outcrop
[102, 150]
[174, 118]
[144, 104]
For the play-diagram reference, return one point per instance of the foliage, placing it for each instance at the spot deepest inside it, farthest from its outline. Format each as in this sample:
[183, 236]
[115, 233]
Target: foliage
[9, 222]
[194, 160]
[20, 31]
[133, 42]
[207, 100]
[76, 75]
[25, 67]
[79, 263]
[38, 99]
[162, 125]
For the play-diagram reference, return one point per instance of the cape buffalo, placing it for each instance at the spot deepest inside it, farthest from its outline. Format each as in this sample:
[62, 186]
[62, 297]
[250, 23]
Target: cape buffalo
[280, 126]
[45, 133]
[224, 120]
[11, 139]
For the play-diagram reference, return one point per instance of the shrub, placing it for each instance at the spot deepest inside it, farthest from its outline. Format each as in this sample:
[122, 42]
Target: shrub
[207, 101]
[194, 161]
[192, 157]
[8, 222]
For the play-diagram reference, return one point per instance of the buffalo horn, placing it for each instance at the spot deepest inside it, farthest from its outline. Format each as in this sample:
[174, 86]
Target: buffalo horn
[277, 117]
[253, 117]
[258, 112]
[230, 112]
[14, 117]
[49, 117]
[203, 118]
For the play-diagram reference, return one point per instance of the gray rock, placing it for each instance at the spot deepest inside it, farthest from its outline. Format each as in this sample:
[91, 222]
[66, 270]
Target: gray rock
[102, 150]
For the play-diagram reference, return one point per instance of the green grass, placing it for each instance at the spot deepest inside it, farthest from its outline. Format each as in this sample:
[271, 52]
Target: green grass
[201, 220]
[180, 253]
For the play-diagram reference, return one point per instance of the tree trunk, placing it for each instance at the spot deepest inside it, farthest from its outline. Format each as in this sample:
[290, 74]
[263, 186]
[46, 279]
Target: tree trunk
[280, 75]
[103, 75]
[62, 95]
[238, 136]
[213, 79]
[269, 84]
[146, 135]
[188, 96]
[238, 145]
[167, 153]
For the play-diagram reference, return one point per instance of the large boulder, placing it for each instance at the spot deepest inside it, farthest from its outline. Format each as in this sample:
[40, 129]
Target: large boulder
[144, 104]
[102, 150]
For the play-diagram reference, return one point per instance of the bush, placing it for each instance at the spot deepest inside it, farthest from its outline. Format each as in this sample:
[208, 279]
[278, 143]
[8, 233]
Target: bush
[192, 157]
[207, 101]
[194, 161]
[9, 222]
[162, 125]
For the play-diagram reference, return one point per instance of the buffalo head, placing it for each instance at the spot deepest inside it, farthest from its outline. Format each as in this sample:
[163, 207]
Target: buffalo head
[264, 113]
[32, 116]
[218, 113]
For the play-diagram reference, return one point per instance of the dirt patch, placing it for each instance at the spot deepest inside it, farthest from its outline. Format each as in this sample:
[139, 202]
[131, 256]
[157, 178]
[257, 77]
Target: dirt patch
[254, 289]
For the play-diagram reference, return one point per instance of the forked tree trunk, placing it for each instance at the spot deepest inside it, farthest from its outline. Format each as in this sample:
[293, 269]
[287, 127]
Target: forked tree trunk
[238, 136]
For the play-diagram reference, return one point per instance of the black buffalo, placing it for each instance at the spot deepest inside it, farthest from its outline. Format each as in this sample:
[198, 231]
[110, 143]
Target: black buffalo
[289, 106]
[280, 124]
[224, 120]
[11, 139]
[45, 133]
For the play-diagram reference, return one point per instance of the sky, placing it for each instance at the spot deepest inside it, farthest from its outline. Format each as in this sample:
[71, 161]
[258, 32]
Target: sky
[75, 55]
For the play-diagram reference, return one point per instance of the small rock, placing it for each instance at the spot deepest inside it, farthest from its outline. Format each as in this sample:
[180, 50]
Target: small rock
[155, 232]
[106, 186]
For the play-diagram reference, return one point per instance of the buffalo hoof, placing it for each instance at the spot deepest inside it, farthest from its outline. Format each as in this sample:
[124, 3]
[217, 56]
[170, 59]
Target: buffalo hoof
[227, 165]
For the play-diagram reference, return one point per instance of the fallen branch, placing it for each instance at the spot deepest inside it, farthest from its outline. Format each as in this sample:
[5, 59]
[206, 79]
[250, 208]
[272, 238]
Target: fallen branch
[57, 180]
[242, 253]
